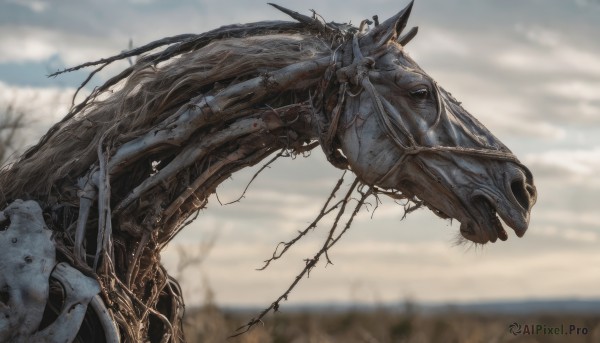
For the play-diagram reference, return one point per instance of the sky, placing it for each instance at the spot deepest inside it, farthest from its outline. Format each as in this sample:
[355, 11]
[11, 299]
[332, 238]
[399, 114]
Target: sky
[529, 70]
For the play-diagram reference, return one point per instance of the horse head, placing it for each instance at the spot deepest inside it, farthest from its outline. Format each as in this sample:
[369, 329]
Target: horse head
[400, 130]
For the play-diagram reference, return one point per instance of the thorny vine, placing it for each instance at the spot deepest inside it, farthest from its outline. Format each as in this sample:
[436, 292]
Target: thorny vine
[332, 238]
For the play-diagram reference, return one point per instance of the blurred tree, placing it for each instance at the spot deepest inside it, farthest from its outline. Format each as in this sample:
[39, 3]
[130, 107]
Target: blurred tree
[10, 123]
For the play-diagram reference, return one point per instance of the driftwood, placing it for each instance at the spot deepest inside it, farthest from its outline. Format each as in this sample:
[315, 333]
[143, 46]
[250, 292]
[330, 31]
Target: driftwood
[131, 165]
[27, 261]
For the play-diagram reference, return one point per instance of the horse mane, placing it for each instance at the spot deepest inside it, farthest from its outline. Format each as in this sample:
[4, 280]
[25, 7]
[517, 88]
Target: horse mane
[123, 172]
[154, 88]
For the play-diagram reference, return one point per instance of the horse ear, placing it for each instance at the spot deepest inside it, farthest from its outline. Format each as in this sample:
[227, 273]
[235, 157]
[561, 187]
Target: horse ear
[391, 28]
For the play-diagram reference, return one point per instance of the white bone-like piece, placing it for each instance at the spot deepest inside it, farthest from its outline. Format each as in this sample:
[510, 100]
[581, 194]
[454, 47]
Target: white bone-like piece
[79, 290]
[27, 261]
[27, 257]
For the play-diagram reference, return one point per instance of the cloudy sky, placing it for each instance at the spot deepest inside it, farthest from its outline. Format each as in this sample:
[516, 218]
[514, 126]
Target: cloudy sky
[528, 69]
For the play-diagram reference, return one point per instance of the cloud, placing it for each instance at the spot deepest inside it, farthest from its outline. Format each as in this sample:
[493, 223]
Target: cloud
[29, 43]
[284, 211]
[33, 5]
[555, 60]
[532, 77]
[572, 217]
[566, 233]
[41, 106]
[579, 163]
[436, 41]
[388, 271]
[539, 35]
[576, 90]
[23, 44]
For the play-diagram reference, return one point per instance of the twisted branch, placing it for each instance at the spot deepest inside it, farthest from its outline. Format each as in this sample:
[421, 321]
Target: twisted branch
[328, 243]
[324, 212]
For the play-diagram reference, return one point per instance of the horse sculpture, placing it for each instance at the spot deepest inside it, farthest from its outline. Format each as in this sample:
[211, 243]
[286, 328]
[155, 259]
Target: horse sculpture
[90, 207]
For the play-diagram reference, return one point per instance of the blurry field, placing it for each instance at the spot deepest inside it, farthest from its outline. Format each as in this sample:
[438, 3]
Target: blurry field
[209, 324]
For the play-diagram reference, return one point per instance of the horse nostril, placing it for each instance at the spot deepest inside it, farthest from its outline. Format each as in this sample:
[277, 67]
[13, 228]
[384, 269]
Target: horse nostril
[523, 193]
[532, 193]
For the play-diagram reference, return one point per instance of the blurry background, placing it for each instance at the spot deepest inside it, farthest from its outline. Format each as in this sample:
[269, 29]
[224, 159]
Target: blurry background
[529, 70]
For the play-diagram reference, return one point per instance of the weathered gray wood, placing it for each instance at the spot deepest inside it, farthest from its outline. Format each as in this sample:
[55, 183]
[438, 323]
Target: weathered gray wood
[27, 257]
[148, 156]
[79, 290]
[27, 260]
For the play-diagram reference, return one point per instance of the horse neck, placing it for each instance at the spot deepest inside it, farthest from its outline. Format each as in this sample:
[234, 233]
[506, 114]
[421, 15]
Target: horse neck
[167, 171]
[217, 136]
[212, 137]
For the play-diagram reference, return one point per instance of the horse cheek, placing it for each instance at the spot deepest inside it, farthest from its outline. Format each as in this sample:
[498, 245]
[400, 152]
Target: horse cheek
[368, 150]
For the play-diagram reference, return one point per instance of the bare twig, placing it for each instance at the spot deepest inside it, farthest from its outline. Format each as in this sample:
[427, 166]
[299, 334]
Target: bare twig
[324, 211]
[337, 218]
[312, 262]
[361, 201]
[265, 166]
[10, 123]
[130, 53]
[104, 241]
[87, 195]
[186, 260]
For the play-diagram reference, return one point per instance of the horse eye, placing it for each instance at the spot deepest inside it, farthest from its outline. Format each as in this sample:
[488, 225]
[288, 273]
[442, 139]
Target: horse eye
[420, 94]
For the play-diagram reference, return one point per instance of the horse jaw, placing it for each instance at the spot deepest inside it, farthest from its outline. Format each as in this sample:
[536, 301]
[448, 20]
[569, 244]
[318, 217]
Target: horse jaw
[476, 194]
